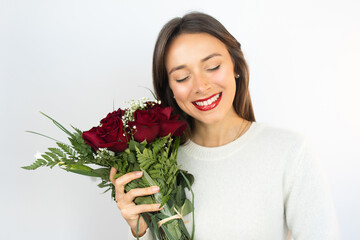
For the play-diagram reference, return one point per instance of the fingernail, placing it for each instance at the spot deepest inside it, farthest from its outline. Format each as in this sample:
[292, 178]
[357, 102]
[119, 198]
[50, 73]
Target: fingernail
[155, 189]
[158, 206]
[139, 173]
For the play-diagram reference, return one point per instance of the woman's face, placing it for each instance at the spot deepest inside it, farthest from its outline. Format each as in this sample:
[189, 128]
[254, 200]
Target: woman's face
[201, 76]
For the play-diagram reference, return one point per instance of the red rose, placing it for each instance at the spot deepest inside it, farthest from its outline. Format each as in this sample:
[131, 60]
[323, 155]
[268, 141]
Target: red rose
[164, 113]
[156, 122]
[118, 113]
[109, 134]
[145, 126]
[173, 126]
[168, 123]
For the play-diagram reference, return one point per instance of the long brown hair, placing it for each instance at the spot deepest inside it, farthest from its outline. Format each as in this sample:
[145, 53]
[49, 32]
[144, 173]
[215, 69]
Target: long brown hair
[196, 22]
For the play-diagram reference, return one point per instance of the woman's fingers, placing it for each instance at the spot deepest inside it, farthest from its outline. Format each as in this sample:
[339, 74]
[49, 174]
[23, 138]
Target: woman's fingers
[120, 183]
[137, 192]
[135, 210]
[148, 208]
[125, 201]
[124, 179]
[113, 171]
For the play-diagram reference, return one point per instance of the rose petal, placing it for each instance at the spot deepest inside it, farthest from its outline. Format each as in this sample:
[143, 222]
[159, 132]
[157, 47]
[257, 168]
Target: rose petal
[115, 146]
[91, 137]
[148, 131]
[175, 127]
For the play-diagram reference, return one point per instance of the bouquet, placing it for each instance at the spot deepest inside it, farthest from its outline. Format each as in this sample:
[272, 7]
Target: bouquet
[143, 137]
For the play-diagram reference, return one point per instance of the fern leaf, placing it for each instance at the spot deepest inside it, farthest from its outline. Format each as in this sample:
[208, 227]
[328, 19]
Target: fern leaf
[38, 163]
[47, 158]
[53, 156]
[77, 130]
[67, 149]
[58, 152]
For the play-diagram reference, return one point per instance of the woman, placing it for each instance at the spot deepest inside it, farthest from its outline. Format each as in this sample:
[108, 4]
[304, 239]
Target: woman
[252, 180]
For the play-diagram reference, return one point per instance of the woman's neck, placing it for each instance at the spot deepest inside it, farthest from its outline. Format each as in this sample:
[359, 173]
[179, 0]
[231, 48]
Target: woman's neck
[219, 133]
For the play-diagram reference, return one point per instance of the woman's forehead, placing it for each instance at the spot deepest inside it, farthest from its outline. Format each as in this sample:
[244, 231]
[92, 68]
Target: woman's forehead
[193, 47]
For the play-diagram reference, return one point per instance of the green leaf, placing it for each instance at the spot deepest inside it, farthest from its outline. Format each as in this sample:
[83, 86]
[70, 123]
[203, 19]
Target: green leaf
[180, 195]
[47, 158]
[77, 130]
[133, 144]
[154, 226]
[158, 196]
[58, 124]
[144, 200]
[184, 230]
[181, 178]
[169, 232]
[66, 148]
[58, 152]
[43, 136]
[192, 195]
[104, 173]
[186, 208]
[132, 158]
[159, 143]
[145, 158]
[36, 164]
[81, 169]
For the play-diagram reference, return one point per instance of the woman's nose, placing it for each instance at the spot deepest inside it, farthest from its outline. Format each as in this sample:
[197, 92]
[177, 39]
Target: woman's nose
[201, 83]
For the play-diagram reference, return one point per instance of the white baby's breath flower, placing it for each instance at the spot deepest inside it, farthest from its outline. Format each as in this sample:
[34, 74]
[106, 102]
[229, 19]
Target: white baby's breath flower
[134, 105]
[103, 151]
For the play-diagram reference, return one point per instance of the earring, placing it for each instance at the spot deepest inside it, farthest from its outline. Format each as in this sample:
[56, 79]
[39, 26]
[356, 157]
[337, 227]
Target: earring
[174, 96]
[237, 76]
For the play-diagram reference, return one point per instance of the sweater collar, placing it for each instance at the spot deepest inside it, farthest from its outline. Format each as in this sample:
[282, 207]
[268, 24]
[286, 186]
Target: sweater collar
[196, 151]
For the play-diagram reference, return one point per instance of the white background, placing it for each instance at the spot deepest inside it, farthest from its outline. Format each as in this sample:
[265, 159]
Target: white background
[73, 59]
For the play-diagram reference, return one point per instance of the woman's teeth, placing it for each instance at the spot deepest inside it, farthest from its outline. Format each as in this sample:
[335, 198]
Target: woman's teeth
[209, 101]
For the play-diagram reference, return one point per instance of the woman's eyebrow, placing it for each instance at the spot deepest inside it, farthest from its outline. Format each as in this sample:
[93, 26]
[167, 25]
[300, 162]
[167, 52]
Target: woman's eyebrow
[176, 68]
[210, 56]
[202, 60]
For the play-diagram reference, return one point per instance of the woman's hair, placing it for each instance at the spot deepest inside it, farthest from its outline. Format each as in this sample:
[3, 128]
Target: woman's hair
[196, 22]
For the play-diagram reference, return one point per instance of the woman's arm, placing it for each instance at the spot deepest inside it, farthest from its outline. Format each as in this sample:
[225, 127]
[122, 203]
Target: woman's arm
[309, 209]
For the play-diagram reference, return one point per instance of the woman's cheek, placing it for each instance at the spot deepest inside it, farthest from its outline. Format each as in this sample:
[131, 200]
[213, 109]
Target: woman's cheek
[181, 90]
[227, 78]
[220, 77]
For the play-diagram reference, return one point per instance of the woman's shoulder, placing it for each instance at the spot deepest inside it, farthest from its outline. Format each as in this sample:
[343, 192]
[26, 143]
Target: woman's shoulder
[279, 134]
[285, 145]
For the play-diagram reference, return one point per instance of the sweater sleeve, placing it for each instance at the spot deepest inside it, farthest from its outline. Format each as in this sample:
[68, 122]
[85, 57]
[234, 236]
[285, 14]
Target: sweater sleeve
[309, 209]
[146, 236]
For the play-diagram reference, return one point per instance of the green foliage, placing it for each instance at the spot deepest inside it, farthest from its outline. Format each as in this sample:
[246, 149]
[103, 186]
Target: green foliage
[157, 160]
[38, 163]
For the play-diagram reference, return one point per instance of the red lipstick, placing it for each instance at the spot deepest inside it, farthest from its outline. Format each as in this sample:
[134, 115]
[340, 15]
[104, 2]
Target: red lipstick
[210, 106]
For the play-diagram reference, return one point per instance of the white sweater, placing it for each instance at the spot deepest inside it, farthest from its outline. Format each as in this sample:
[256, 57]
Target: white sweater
[259, 187]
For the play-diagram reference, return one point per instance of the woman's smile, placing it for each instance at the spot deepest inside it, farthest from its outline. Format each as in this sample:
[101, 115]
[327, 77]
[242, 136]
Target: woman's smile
[208, 103]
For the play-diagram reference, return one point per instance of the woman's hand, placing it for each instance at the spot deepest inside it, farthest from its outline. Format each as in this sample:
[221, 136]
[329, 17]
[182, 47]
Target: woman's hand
[125, 201]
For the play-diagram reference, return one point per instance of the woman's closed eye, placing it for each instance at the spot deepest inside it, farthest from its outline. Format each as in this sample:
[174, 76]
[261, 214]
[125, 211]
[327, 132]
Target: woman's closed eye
[215, 68]
[182, 79]
[210, 69]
